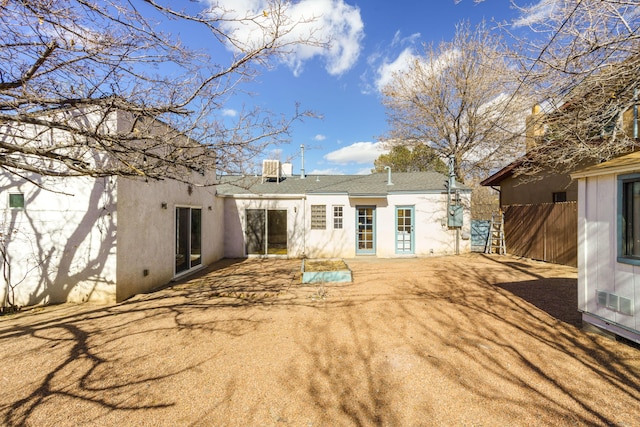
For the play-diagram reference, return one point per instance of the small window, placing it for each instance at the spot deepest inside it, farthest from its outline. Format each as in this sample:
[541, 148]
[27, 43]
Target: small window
[318, 217]
[560, 197]
[337, 217]
[16, 201]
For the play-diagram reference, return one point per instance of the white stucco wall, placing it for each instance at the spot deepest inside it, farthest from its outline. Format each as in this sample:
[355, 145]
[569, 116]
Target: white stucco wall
[598, 268]
[105, 239]
[146, 231]
[91, 239]
[330, 242]
[61, 245]
[235, 222]
[432, 236]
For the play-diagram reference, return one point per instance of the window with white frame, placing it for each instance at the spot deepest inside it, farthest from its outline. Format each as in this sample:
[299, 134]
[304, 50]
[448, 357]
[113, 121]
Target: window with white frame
[318, 217]
[16, 201]
[629, 217]
[337, 217]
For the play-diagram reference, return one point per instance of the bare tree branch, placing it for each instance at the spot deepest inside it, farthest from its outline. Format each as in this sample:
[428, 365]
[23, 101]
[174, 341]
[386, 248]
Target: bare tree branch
[95, 88]
[459, 99]
[583, 66]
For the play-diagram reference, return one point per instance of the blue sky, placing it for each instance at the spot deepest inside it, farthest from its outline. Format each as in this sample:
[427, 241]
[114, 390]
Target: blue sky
[371, 37]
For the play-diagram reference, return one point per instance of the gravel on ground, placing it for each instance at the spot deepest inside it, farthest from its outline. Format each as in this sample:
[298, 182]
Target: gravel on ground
[470, 340]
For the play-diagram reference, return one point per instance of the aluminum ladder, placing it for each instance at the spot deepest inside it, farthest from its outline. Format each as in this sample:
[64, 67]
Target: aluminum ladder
[495, 240]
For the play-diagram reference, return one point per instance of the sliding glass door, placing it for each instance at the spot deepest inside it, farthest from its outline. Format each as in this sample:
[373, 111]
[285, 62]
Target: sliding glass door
[188, 238]
[266, 232]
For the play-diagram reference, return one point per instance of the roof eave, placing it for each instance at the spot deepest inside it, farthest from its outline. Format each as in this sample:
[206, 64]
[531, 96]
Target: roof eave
[501, 175]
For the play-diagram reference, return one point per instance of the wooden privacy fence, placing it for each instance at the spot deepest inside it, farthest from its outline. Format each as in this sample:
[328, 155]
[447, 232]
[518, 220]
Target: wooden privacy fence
[545, 232]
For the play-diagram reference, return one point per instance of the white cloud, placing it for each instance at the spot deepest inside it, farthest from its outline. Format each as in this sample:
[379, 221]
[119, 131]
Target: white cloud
[336, 25]
[275, 154]
[319, 137]
[536, 13]
[387, 69]
[404, 61]
[442, 62]
[398, 40]
[358, 152]
[229, 112]
[328, 171]
[385, 61]
[365, 171]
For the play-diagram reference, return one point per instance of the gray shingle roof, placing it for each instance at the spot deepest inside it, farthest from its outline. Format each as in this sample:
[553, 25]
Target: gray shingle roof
[374, 184]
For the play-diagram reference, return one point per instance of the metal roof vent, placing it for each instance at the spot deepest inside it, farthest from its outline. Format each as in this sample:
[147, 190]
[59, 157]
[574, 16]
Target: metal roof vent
[388, 169]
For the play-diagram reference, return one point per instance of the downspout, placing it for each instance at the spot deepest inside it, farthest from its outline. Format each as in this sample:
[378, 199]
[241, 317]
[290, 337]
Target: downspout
[304, 227]
[4, 259]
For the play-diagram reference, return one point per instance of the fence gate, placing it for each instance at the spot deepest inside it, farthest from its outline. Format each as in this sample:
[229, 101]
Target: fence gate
[479, 234]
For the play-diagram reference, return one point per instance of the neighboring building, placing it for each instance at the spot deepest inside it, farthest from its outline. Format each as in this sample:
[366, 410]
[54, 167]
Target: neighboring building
[342, 216]
[609, 245]
[537, 222]
[546, 186]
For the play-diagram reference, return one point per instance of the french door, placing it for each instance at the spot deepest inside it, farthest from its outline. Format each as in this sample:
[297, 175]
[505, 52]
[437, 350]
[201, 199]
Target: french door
[365, 230]
[404, 230]
[188, 238]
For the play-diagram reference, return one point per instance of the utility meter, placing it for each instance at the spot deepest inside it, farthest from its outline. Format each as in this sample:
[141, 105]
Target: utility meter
[455, 216]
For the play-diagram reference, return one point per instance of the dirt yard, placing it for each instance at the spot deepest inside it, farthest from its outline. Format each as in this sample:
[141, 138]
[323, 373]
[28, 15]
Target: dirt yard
[456, 341]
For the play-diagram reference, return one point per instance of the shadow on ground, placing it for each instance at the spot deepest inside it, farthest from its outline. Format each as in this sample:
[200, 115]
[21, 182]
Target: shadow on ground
[455, 340]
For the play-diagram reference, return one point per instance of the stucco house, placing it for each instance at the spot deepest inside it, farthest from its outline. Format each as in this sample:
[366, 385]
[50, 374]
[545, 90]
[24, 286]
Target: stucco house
[548, 186]
[103, 239]
[106, 239]
[332, 216]
[609, 245]
[538, 223]
[93, 227]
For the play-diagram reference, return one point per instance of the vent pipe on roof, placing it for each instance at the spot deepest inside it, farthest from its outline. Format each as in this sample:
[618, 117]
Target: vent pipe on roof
[302, 162]
[388, 169]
